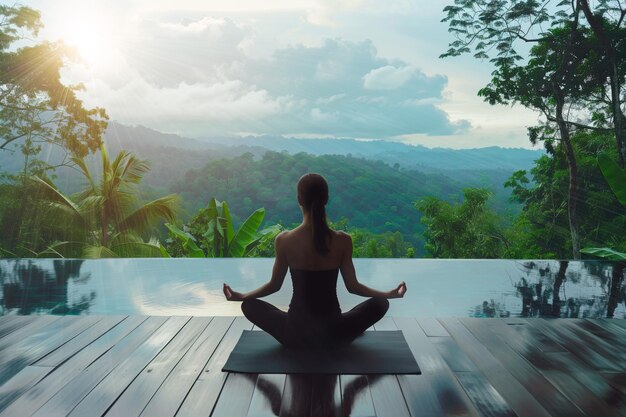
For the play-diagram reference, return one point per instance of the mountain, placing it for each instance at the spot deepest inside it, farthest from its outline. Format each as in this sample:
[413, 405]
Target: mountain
[408, 156]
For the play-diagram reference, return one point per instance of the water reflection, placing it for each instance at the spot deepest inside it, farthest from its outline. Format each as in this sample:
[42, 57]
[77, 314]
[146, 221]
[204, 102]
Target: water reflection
[315, 394]
[32, 287]
[564, 289]
[440, 288]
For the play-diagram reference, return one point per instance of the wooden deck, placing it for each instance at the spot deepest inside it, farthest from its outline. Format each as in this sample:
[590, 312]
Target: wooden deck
[166, 366]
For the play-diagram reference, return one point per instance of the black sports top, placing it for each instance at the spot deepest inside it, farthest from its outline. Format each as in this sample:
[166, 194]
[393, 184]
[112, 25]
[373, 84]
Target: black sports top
[314, 293]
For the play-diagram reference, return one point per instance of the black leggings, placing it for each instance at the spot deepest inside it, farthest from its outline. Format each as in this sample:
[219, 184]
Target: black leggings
[288, 331]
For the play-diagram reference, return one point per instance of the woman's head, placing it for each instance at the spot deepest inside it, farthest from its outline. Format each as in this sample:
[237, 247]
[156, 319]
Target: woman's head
[313, 196]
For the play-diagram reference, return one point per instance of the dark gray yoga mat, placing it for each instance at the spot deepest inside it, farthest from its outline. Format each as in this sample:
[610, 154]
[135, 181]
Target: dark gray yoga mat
[379, 352]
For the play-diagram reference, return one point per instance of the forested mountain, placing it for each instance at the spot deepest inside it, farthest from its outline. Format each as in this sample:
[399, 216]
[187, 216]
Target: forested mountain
[369, 194]
[193, 153]
[170, 156]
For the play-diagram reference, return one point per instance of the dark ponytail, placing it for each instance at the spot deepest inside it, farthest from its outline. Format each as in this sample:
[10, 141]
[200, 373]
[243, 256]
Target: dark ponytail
[313, 192]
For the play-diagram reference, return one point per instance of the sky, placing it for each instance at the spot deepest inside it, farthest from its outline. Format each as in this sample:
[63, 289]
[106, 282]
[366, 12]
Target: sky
[360, 69]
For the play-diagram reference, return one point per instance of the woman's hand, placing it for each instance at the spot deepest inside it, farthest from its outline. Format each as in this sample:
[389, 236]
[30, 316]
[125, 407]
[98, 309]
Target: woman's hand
[399, 291]
[232, 295]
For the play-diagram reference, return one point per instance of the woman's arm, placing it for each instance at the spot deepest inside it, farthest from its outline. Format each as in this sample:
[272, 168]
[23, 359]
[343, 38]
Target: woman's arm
[276, 282]
[353, 285]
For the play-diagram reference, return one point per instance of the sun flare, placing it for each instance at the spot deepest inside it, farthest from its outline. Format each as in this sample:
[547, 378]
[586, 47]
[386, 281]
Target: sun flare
[92, 36]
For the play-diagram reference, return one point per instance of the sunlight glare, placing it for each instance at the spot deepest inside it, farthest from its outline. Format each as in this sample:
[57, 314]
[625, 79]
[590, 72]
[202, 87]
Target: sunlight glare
[92, 36]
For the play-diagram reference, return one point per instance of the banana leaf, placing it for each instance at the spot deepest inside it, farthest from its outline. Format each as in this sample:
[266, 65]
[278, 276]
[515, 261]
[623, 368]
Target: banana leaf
[246, 234]
[187, 242]
[615, 176]
[605, 253]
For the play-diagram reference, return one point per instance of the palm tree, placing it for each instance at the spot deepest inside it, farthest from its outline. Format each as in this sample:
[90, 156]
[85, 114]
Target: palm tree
[107, 213]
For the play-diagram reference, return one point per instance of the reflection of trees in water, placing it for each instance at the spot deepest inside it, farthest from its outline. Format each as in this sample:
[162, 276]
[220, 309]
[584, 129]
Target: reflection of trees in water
[543, 293]
[30, 288]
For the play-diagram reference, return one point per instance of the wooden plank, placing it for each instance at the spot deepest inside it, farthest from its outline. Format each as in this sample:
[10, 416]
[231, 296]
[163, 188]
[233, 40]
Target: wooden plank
[297, 396]
[70, 348]
[9, 324]
[21, 382]
[385, 389]
[435, 372]
[236, 396]
[599, 329]
[534, 382]
[326, 396]
[356, 398]
[172, 392]
[514, 393]
[611, 325]
[135, 398]
[268, 395]
[574, 344]
[432, 327]
[204, 392]
[483, 395]
[65, 399]
[531, 334]
[35, 397]
[98, 401]
[609, 350]
[23, 332]
[561, 369]
[15, 358]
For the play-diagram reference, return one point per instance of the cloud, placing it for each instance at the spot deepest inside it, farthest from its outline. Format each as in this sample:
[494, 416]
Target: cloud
[192, 76]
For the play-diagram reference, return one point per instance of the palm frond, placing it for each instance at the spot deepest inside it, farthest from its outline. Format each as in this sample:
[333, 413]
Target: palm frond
[138, 250]
[58, 199]
[164, 208]
[97, 252]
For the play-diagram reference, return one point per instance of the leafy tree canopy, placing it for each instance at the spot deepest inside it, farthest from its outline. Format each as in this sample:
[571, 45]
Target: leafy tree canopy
[35, 106]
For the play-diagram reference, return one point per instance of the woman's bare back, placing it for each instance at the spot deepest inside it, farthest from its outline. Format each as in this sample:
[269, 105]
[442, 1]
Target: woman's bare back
[301, 254]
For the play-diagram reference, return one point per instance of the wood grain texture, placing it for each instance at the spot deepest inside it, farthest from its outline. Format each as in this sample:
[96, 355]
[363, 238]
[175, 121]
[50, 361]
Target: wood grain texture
[137, 395]
[160, 366]
[98, 401]
[513, 392]
[547, 394]
[45, 389]
[70, 395]
[452, 398]
[205, 391]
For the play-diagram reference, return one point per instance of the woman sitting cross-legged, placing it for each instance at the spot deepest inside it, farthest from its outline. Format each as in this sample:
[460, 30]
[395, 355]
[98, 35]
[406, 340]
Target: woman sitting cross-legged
[314, 254]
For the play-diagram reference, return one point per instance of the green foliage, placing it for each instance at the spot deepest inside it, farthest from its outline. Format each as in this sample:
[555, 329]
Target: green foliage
[211, 233]
[370, 194]
[605, 253]
[372, 245]
[616, 178]
[35, 106]
[541, 231]
[466, 230]
[106, 216]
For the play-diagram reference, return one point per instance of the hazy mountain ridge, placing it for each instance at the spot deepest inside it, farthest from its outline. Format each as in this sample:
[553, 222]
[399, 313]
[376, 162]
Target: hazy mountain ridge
[146, 142]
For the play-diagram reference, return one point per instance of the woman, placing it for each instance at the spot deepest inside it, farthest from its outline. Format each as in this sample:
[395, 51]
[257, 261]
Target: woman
[315, 254]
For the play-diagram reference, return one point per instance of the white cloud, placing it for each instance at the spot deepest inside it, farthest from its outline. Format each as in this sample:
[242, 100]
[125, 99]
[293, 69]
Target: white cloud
[389, 77]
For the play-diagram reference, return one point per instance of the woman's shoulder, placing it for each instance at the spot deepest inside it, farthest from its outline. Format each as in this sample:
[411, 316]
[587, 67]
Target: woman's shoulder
[342, 237]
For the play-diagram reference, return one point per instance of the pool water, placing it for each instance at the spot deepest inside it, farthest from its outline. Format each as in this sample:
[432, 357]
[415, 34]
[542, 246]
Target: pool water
[441, 288]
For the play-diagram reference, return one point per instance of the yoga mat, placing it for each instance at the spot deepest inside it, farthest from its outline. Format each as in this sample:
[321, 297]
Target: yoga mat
[374, 352]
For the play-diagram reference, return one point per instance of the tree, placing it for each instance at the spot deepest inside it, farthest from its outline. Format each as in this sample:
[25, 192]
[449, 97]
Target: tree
[542, 228]
[494, 29]
[553, 81]
[35, 106]
[466, 230]
[106, 216]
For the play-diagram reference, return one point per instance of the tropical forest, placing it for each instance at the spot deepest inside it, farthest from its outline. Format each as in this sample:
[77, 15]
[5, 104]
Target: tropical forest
[76, 182]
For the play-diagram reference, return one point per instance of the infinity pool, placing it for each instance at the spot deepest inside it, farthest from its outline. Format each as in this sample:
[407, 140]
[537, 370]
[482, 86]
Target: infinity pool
[461, 288]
